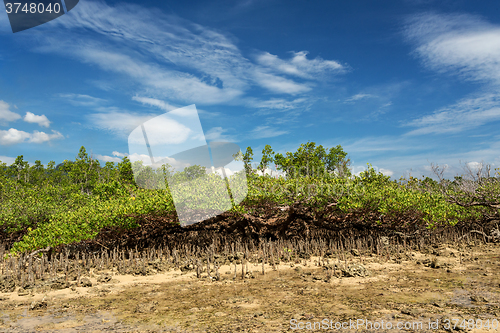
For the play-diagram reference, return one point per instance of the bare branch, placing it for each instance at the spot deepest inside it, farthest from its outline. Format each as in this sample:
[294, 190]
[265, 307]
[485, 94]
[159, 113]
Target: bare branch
[479, 190]
[495, 234]
[438, 171]
[495, 205]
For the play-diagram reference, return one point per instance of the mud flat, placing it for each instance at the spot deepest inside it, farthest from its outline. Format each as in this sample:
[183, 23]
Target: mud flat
[273, 271]
[458, 283]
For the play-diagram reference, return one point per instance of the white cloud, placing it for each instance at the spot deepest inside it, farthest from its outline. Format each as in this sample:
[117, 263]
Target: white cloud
[166, 131]
[356, 170]
[386, 172]
[82, 100]
[464, 115]
[270, 172]
[458, 43]
[278, 103]
[358, 97]
[300, 66]
[188, 112]
[40, 120]
[218, 171]
[155, 102]
[119, 122]
[159, 160]
[262, 132]
[122, 123]
[40, 137]
[139, 157]
[119, 39]
[7, 160]
[279, 84]
[465, 45]
[116, 153]
[208, 114]
[14, 136]
[170, 57]
[474, 165]
[217, 134]
[6, 115]
[106, 158]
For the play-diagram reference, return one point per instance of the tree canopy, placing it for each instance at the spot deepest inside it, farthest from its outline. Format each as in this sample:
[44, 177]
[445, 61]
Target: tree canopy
[312, 160]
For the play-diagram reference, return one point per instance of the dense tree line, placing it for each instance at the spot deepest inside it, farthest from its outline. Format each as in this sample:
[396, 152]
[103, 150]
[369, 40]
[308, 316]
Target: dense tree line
[73, 200]
[85, 172]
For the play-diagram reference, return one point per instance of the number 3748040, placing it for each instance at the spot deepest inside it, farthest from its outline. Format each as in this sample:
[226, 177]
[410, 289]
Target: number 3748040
[33, 8]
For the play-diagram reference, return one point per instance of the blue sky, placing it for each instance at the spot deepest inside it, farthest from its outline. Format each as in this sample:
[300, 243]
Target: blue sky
[399, 84]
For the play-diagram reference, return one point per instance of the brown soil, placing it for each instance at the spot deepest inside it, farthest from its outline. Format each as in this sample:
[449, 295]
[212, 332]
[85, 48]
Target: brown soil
[408, 290]
[341, 268]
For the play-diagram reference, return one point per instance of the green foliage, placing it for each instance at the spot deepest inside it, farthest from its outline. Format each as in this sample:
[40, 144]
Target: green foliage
[147, 177]
[194, 172]
[84, 171]
[336, 161]
[106, 191]
[125, 171]
[312, 160]
[267, 158]
[247, 160]
[86, 221]
[76, 199]
[371, 176]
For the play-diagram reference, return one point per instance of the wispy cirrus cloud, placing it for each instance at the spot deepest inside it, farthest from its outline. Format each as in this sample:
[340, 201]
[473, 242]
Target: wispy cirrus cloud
[167, 107]
[120, 122]
[155, 102]
[378, 144]
[464, 115]
[261, 132]
[412, 154]
[460, 44]
[469, 47]
[278, 103]
[359, 96]
[174, 58]
[280, 85]
[82, 100]
[171, 48]
[300, 66]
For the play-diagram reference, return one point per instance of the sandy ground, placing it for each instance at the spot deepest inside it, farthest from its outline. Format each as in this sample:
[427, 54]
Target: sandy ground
[459, 287]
